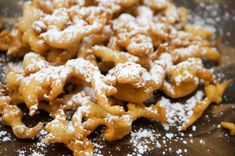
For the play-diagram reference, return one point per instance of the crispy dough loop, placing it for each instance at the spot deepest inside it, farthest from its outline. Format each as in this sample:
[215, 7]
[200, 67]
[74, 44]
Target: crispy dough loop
[92, 40]
[101, 88]
[112, 44]
[84, 21]
[61, 56]
[31, 14]
[134, 83]
[132, 36]
[195, 51]
[116, 126]
[95, 39]
[13, 79]
[119, 126]
[12, 116]
[66, 102]
[50, 81]
[62, 131]
[204, 32]
[184, 77]
[59, 129]
[109, 55]
[33, 63]
[185, 44]
[5, 40]
[70, 133]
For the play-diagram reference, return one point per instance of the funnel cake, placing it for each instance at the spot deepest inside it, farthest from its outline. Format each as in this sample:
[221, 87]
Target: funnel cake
[99, 63]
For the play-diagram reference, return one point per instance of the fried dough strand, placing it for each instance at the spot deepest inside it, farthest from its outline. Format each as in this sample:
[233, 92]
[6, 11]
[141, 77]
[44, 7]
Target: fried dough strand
[230, 126]
[116, 126]
[109, 55]
[214, 93]
[84, 21]
[184, 77]
[134, 83]
[5, 40]
[51, 80]
[12, 116]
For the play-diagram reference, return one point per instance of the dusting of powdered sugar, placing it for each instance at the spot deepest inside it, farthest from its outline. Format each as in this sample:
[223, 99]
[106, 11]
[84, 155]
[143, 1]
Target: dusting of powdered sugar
[213, 15]
[4, 136]
[177, 113]
[3, 68]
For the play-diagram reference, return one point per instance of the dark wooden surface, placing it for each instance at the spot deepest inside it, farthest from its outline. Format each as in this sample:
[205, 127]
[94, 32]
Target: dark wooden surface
[217, 141]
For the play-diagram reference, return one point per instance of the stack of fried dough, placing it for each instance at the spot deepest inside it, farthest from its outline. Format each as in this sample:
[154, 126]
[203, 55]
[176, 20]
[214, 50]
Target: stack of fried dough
[102, 60]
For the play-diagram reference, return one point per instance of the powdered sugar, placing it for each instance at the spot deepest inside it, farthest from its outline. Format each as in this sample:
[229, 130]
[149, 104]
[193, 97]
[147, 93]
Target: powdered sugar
[4, 136]
[3, 67]
[141, 141]
[213, 15]
[134, 74]
[177, 114]
[144, 140]
[36, 154]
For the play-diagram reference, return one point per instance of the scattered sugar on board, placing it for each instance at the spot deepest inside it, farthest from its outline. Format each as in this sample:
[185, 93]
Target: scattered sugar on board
[98, 149]
[4, 136]
[38, 149]
[177, 114]
[36, 154]
[21, 152]
[40, 144]
[213, 15]
[144, 140]
[3, 61]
